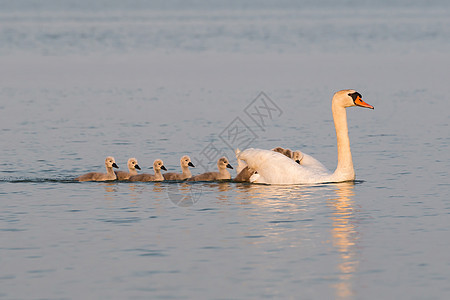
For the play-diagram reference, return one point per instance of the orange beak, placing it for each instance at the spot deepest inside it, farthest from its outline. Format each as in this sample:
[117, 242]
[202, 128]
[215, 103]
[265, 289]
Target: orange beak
[360, 102]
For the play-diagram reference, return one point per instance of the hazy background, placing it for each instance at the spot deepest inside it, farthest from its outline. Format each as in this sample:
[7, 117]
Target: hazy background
[80, 80]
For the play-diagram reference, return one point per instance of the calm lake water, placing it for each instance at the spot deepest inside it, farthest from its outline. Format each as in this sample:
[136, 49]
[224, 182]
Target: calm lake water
[79, 82]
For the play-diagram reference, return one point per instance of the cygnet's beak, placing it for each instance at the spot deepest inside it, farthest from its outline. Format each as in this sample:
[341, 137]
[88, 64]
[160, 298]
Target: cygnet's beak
[137, 167]
[115, 166]
[191, 164]
[163, 168]
[229, 166]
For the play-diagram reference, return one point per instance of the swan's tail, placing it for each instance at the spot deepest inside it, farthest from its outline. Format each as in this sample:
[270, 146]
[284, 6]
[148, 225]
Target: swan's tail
[241, 164]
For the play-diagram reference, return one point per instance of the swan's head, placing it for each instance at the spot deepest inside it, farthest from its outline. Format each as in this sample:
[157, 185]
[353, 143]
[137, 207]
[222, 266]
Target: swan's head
[185, 162]
[297, 156]
[223, 163]
[133, 164]
[348, 98]
[158, 165]
[110, 162]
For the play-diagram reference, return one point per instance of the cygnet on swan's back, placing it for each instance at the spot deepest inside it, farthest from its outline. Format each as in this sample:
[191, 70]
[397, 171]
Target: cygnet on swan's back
[185, 163]
[158, 165]
[244, 172]
[223, 173]
[110, 163]
[132, 166]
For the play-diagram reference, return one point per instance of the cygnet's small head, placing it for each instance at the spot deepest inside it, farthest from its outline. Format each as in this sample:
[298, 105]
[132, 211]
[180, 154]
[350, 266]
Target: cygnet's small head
[297, 156]
[223, 163]
[133, 164]
[185, 161]
[348, 98]
[110, 162]
[159, 165]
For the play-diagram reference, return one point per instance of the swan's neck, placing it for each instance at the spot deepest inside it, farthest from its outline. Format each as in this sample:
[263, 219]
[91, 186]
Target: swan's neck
[344, 170]
[186, 171]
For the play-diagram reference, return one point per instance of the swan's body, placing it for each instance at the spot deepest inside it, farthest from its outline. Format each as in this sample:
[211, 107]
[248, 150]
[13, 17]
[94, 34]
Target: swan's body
[110, 163]
[132, 166]
[275, 168]
[308, 161]
[158, 165]
[223, 174]
[185, 163]
[244, 172]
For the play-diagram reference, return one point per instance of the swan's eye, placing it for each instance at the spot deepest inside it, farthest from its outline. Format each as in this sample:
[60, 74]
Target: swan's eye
[355, 96]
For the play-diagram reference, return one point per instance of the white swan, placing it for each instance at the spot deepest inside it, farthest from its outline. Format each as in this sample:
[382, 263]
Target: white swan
[185, 163]
[158, 165]
[244, 172]
[110, 163]
[132, 166]
[276, 168]
[223, 174]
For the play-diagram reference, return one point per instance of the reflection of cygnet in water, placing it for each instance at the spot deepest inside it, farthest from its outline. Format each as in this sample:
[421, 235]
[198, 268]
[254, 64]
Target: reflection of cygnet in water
[223, 173]
[132, 166]
[157, 166]
[185, 163]
[110, 163]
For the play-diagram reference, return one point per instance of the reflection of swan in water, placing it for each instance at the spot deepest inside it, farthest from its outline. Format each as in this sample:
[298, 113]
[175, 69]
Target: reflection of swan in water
[284, 200]
[272, 195]
[344, 237]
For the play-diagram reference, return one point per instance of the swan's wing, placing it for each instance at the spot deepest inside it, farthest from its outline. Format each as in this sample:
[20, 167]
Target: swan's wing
[276, 168]
[310, 162]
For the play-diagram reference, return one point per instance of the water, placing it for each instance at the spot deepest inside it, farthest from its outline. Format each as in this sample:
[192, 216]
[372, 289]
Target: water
[83, 81]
